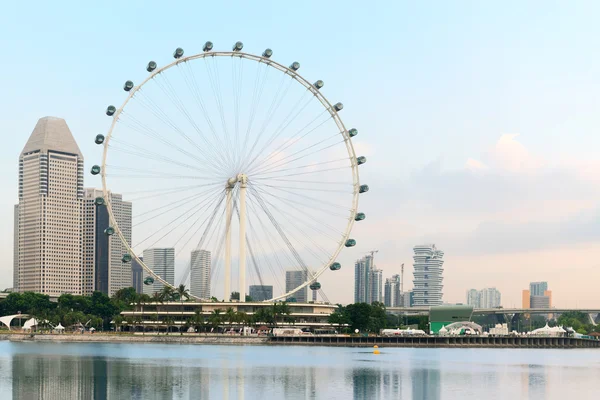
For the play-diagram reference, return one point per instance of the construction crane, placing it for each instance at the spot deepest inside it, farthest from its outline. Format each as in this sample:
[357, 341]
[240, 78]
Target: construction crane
[372, 253]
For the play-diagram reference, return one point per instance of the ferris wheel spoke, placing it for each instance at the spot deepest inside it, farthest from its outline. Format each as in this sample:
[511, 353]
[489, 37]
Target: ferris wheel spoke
[272, 238]
[293, 223]
[237, 76]
[318, 201]
[290, 117]
[318, 220]
[311, 165]
[195, 196]
[181, 217]
[259, 87]
[279, 162]
[275, 104]
[152, 193]
[265, 259]
[216, 89]
[194, 87]
[180, 105]
[153, 134]
[158, 112]
[172, 95]
[154, 174]
[291, 140]
[156, 157]
[282, 233]
[308, 207]
[310, 189]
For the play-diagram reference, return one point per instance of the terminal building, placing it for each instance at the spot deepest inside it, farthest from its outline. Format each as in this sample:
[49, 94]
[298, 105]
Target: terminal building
[155, 316]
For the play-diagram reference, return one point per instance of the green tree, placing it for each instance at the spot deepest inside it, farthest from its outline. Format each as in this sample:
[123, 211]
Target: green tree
[234, 296]
[169, 322]
[359, 315]
[216, 318]
[339, 317]
[230, 317]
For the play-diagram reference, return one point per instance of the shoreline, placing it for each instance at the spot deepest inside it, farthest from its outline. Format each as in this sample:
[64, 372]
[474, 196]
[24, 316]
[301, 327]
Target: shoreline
[322, 341]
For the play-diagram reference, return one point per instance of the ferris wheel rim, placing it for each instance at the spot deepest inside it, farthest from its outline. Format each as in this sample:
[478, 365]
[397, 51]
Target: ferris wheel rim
[300, 79]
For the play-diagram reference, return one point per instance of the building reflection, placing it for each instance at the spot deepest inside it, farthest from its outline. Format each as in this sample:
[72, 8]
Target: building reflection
[426, 381]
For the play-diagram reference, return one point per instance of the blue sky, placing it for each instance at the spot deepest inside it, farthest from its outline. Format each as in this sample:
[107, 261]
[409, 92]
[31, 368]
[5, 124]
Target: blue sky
[437, 89]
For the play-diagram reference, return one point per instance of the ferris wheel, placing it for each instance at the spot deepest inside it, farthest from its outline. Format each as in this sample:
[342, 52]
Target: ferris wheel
[235, 159]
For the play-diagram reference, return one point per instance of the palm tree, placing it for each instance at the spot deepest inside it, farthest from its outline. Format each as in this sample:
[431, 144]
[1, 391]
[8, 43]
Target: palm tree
[280, 309]
[231, 316]
[198, 319]
[169, 322]
[216, 318]
[182, 292]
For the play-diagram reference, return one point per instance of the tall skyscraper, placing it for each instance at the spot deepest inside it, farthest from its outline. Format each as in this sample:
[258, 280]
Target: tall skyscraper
[376, 284]
[200, 274]
[428, 270]
[293, 279]
[162, 262]
[16, 249]
[49, 228]
[103, 269]
[261, 292]
[137, 276]
[362, 276]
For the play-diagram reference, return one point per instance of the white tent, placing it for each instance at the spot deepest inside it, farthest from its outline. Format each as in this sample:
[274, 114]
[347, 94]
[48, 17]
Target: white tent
[59, 327]
[30, 323]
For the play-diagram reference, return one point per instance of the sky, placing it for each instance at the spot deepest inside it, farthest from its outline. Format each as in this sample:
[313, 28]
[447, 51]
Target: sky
[479, 119]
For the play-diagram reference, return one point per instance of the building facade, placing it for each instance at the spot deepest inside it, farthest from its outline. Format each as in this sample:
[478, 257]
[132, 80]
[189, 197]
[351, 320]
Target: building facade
[162, 262]
[137, 275]
[362, 279]
[103, 269]
[538, 288]
[48, 229]
[428, 275]
[392, 296]
[200, 274]
[474, 298]
[261, 292]
[485, 298]
[293, 279]
[538, 296]
[376, 286]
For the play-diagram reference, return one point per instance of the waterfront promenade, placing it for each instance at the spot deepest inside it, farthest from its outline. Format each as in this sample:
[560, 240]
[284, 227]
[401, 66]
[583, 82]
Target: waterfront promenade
[337, 341]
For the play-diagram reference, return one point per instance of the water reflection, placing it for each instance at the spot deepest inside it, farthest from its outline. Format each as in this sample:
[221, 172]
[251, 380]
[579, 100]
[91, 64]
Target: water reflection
[88, 371]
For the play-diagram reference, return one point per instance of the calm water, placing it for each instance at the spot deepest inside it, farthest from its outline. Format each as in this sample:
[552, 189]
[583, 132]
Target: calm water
[171, 371]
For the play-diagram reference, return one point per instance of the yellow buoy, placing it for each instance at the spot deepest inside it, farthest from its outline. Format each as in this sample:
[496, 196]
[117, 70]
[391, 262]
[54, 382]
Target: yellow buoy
[376, 352]
[375, 347]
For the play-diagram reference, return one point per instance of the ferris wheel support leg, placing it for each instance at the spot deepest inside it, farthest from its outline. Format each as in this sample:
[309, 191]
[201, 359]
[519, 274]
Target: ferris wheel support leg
[228, 248]
[243, 180]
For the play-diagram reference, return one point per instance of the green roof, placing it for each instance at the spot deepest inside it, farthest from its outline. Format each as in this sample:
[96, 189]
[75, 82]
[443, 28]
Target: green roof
[450, 313]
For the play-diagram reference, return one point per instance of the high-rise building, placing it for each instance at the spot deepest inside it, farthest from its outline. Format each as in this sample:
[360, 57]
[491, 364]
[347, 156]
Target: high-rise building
[162, 262]
[485, 298]
[137, 275]
[538, 296]
[200, 274]
[16, 249]
[49, 228]
[103, 268]
[538, 288]
[392, 297]
[293, 279]
[490, 298]
[428, 270]
[362, 278]
[474, 298]
[375, 286]
[261, 292]
[408, 299]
